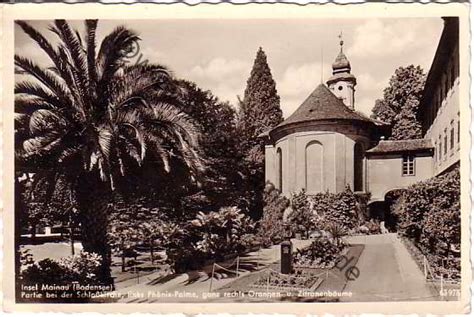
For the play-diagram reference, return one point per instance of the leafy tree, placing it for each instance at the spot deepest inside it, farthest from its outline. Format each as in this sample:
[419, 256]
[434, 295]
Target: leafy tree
[400, 103]
[219, 145]
[259, 112]
[93, 119]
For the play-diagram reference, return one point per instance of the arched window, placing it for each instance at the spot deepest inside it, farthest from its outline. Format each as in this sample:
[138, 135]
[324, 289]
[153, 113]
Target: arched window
[280, 169]
[314, 167]
[358, 167]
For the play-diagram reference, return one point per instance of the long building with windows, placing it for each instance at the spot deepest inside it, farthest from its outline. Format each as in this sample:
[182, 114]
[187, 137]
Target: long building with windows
[325, 145]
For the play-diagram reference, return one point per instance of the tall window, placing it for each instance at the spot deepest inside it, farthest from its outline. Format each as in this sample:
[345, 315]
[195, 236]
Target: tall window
[445, 142]
[451, 141]
[440, 151]
[280, 169]
[358, 167]
[408, 165]
[436, 151]
[314, 167]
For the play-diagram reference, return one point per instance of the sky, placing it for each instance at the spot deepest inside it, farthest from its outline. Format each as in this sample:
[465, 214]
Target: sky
[218, 54]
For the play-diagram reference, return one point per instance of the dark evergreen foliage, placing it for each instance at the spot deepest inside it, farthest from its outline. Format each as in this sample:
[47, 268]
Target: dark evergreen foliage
[259, 112]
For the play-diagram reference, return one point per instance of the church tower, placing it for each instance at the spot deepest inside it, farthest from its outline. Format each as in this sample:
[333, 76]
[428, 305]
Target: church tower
[342, 82]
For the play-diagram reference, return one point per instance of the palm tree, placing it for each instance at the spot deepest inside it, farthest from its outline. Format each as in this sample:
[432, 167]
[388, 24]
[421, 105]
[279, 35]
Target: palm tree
[92, 117]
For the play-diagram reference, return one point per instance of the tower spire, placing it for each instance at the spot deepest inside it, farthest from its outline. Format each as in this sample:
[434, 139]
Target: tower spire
[341, 41]
[342, 82]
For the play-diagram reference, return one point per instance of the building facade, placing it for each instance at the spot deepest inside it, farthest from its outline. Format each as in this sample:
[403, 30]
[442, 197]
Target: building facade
[325, 145]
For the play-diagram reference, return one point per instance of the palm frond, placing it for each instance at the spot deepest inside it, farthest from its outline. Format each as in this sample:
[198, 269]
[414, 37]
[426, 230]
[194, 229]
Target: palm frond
[175, 120]
[73, 43]
[44, 121]
[47, 78]
[48, 48]
[29, 104]
[112, 51]
[31, 89]
[104, 138]
[91, 28]
[39, 39]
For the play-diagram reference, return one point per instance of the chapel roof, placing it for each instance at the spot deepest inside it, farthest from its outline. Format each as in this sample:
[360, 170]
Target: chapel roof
[397, 146]
[322, 104]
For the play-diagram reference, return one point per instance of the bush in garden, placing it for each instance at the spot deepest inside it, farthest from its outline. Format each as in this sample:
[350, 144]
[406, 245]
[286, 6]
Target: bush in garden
[180, 243]
[301, 217]
[82, 268]
[211, 236]
[222, 230]
[272, 230]
[335, 209]
[47, 271]
[429, 214]
[322, 253]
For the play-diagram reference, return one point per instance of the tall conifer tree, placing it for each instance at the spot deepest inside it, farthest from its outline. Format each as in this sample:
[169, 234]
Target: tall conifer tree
[259, 111]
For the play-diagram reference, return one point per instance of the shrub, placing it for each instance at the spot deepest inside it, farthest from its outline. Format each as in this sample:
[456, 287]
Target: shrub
[321, 253]
[301, 218]
[340, 209]
[211, 235]
[272, 230]
[82, 268]
[429, 214]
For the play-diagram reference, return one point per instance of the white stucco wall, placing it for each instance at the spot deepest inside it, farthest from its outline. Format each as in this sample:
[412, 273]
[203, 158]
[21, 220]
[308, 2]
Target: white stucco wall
[338, 160]
[385, 174]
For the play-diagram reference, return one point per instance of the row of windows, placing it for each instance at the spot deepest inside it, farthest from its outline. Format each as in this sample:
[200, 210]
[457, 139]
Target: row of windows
[446, 83]
[447, 141]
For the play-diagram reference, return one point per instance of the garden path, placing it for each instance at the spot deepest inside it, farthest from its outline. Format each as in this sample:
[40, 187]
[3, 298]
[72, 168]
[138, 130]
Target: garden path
[387, 272]
[197, 282]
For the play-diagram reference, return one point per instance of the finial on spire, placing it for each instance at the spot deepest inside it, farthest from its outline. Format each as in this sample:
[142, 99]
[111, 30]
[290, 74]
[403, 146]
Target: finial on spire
[341, 42]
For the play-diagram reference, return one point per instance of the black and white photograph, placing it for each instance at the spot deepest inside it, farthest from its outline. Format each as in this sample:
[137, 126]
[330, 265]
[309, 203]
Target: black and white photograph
[295, 160]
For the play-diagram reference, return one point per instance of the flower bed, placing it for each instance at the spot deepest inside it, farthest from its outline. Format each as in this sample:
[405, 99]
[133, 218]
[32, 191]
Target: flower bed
[322, 253]
[299, 280]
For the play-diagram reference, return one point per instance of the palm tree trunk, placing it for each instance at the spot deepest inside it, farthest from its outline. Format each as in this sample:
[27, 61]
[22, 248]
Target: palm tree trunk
[93, 199]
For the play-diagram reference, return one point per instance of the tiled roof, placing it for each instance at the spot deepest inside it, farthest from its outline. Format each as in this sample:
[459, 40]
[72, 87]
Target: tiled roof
[322, 104]
[392, 146]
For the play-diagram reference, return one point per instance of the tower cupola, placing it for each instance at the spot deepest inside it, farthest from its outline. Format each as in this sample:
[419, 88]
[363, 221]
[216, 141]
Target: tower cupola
[342, 82]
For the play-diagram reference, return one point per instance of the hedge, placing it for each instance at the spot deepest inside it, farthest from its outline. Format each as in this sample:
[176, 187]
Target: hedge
[429, 214]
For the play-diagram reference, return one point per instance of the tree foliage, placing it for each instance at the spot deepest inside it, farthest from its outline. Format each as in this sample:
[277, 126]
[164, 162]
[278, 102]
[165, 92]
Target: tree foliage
[96, 120]
[259, 112]
[429, 214]
[271, 227]
[219, 145]
[301, 218]
[400, 103]
[336, 209]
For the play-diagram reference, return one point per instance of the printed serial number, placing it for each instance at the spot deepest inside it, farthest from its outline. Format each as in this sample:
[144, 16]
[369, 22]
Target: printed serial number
[450, 292]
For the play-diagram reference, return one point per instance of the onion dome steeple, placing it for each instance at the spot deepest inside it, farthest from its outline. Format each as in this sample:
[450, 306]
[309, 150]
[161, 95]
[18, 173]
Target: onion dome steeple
[341, 64]
[342, 82]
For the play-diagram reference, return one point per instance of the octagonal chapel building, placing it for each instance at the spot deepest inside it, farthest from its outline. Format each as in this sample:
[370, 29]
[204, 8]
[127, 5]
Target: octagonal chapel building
[321, 146]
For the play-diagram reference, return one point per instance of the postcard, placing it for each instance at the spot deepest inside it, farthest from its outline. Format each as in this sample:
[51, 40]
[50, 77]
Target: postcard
[220, 158]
